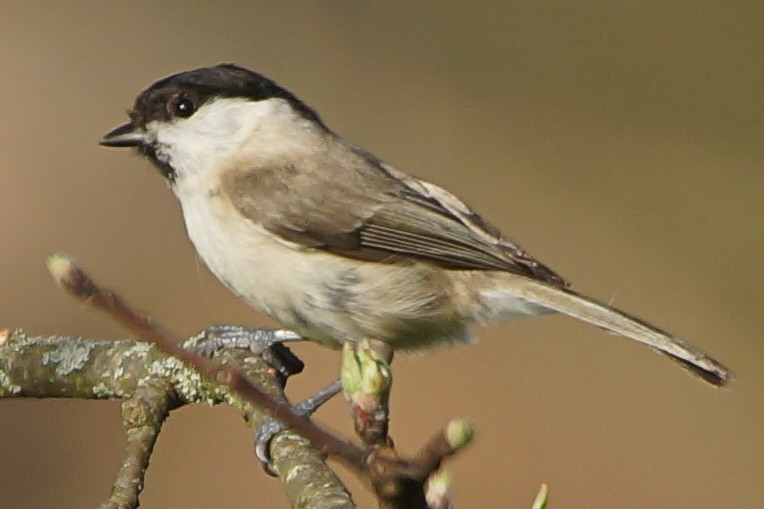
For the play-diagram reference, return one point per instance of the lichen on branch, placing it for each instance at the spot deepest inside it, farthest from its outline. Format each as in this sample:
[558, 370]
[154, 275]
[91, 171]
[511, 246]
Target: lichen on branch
[151, 383]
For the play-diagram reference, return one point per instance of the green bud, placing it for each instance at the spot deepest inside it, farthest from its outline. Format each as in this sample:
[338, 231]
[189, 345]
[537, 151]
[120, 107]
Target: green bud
[459, 433]
[439, 488]
[541, 498]
[362, 372]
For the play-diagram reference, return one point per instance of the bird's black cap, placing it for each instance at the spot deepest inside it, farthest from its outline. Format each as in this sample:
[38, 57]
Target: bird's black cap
[206, 83]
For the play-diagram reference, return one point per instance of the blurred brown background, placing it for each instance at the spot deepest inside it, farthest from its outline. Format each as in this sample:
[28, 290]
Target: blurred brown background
[619, 142]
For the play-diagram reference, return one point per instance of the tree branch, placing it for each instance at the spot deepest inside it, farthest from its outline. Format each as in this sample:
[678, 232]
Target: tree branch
[151, 384]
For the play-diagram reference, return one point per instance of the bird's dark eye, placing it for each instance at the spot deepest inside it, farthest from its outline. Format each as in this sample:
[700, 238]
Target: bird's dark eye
[183, 107]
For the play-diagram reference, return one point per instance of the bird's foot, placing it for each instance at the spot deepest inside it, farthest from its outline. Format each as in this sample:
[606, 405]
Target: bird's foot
[268, 343]
[265, 433]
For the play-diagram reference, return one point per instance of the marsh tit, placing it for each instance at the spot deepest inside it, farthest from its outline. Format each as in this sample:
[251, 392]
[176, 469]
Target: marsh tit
[331, 241]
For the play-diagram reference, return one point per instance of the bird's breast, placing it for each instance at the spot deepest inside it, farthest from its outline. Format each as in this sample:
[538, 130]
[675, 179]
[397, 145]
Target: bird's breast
[253, 263]
[327, 297]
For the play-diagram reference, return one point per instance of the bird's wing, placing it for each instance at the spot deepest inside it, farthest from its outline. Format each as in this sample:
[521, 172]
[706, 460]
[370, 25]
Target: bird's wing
[367, 210]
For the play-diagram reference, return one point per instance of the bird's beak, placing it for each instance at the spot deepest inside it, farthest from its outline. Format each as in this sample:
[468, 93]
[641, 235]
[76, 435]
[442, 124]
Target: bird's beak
[123, 136]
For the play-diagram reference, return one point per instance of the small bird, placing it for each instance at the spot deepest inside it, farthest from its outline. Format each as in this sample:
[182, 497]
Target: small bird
[331, 241]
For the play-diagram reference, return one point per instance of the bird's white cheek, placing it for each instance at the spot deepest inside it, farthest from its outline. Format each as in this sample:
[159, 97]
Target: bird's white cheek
[226, 129]
[188, 151]
[192, 146]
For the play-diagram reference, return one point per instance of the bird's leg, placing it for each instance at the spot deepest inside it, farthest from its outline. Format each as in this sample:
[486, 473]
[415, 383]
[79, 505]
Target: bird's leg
[366, 382]
[265, 433]
[268, 343]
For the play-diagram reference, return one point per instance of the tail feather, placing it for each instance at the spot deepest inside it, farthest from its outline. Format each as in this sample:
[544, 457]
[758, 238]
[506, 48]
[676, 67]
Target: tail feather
[578, 306]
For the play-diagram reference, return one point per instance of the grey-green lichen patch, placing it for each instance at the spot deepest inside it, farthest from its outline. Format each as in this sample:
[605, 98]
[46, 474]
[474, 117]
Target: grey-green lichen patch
[19, 339]
[103, 391]
[189, 384]
[139, 348]
[295, 471]
[282, 440]
[17, 335]
[6, 387]
[193, 342]
[139, 351]
[70, 355]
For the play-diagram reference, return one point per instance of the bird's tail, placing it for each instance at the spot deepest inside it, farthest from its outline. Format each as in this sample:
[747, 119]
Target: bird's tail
[566, 301]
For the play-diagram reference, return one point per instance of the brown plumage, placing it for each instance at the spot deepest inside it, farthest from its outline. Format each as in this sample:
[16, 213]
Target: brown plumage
[332, 242]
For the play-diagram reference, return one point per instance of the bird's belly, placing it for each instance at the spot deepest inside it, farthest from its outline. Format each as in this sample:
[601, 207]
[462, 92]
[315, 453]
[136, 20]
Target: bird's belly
[326, 297]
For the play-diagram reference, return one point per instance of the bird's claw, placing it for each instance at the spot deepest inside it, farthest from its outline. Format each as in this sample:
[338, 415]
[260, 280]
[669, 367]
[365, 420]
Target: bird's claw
[267, 343]
[270, 428]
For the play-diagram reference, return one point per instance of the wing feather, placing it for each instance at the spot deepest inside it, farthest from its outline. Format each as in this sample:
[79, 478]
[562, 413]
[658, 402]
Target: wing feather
[367, 210]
